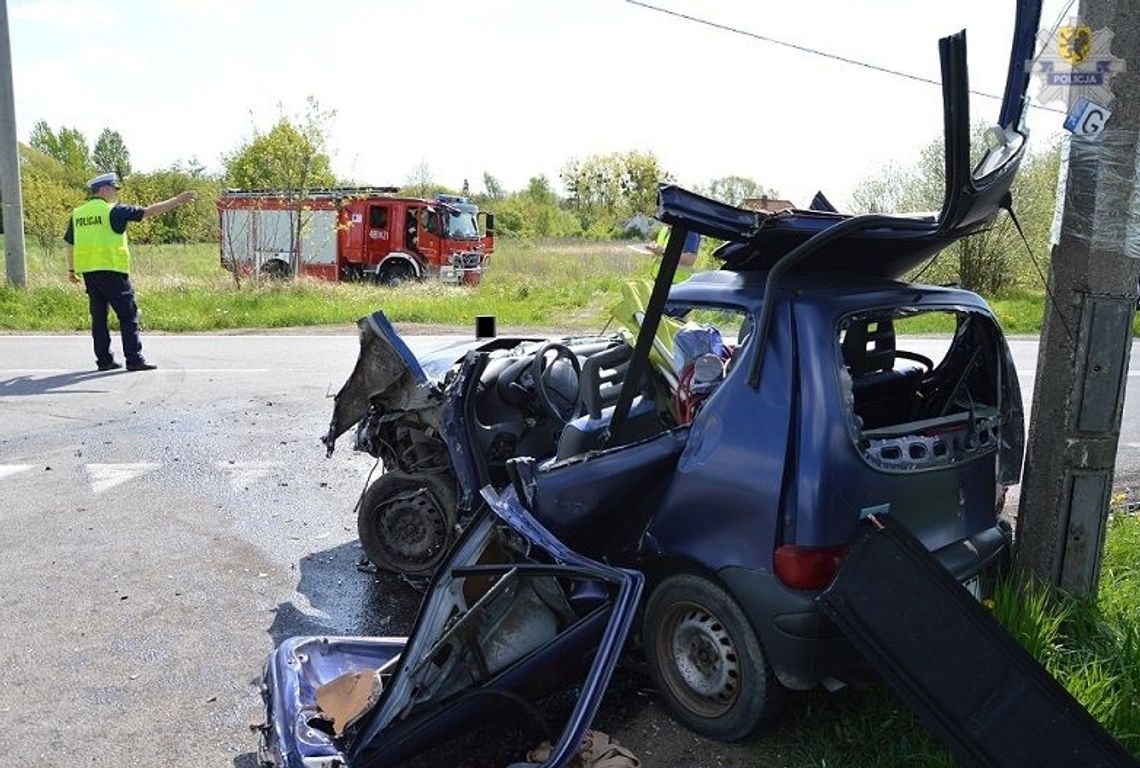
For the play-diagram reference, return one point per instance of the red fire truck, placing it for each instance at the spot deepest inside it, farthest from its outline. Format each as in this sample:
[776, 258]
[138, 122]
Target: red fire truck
[355, 233]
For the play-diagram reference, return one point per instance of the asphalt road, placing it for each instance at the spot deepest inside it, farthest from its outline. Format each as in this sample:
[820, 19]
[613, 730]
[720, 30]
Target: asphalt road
[163, 530]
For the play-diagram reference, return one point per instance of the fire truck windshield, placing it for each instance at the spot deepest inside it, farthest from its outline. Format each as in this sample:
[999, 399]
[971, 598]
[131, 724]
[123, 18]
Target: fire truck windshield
[461, 226]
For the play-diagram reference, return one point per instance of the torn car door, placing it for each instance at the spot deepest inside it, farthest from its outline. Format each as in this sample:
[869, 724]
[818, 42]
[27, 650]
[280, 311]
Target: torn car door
[969, 681]
[512, 616]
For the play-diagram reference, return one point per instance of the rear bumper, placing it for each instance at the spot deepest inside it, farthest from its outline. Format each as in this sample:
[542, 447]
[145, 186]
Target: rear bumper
[804, 647]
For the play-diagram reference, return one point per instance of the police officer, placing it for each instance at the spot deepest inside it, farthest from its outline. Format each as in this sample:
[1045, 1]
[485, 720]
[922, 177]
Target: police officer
[97, 249]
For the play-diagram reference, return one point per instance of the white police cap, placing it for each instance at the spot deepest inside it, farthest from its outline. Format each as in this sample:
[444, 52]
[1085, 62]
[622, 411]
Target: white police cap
[104, 178]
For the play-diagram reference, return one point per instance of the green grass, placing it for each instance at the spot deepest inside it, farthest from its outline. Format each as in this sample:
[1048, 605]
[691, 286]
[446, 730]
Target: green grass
[182, 288]
[1091, 647]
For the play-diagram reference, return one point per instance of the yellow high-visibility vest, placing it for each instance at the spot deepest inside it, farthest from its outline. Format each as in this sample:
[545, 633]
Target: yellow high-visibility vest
[96, 245]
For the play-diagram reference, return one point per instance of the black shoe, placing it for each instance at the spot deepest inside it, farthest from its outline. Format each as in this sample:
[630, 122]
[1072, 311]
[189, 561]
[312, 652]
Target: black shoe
[141, 365]
[111, 366]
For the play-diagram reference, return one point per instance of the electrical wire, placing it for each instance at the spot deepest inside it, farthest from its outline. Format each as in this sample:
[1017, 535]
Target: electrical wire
[367, 481]
[1007, 203]
[929, 264]
[825, 54]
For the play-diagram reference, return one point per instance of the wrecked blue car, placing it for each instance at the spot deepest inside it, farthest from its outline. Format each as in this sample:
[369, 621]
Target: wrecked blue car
[693, 482]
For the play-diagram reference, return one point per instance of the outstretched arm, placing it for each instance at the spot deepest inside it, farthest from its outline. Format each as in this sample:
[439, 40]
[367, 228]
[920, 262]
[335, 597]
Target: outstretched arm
[157, 209]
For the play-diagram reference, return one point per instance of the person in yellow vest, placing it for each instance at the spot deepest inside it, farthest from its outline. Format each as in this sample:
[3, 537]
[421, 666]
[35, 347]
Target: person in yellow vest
[97, 249]
[688, 251]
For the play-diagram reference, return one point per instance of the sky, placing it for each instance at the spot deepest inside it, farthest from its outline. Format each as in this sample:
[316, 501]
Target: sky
[513, 87]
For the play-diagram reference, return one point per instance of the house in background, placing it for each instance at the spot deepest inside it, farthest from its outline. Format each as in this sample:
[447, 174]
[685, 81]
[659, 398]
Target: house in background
[767, 204]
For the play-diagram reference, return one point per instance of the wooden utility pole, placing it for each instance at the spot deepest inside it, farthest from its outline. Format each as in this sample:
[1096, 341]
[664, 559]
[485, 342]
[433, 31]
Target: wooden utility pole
[1082, 370]
[10, 164]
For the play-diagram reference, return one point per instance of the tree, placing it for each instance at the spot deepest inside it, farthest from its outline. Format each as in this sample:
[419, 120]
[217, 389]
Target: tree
[534, 211]
[419, 182]
[68, 147]
[196, 222]
[608, 188]
[734, 190]
[192, 167]
[43, 139]
[538, 189]
[292, 159]
[492, 187]
[48, 197]
[993, 260]
[111, 154]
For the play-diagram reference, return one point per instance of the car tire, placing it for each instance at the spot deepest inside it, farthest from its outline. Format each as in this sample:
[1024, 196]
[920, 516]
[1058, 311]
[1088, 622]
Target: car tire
[706, 660]
[407, 522]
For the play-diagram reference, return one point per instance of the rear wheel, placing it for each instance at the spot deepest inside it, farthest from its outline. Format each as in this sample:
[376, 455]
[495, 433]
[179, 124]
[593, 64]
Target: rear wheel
[407, 522]
[275, 269]
[708, 665]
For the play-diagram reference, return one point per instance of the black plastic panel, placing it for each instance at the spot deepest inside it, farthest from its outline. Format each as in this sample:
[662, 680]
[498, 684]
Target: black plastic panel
[968, 680]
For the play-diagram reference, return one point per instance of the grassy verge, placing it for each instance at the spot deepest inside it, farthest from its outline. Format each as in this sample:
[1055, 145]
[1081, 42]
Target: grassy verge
[568, 285]
[1091, 647]
[182, 288]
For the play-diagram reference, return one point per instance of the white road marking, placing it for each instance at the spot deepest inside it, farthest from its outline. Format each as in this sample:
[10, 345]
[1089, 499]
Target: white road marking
[7, 470]
[106, 476]
[192, 336]
[245, 473]
[149, 373]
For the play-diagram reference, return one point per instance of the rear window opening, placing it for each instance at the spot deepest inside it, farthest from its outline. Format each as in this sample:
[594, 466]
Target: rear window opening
[918, 401]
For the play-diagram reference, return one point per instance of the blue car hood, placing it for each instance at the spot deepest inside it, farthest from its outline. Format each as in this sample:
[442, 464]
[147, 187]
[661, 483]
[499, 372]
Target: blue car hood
[388, 374]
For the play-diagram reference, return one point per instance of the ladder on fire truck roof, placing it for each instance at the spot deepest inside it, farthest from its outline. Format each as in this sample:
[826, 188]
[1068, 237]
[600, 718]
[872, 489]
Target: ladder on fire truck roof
[322, 193]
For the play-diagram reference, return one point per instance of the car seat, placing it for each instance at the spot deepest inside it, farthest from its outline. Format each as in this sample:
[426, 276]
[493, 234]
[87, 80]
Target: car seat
[883, 394]
[601, 381]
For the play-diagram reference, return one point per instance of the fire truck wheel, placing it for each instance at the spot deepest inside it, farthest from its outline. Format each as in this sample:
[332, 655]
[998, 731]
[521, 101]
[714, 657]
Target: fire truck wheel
[396, 272]
[275, 269]
[407, 522]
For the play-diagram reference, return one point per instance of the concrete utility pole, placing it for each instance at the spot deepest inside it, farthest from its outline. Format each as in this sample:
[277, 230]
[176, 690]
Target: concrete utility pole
[1087, 338]
[10, 164]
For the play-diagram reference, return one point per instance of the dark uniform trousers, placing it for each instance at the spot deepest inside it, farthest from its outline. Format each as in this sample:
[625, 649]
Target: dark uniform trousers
[105, 288]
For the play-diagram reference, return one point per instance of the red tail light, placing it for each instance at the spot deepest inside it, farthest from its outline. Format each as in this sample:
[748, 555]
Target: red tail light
[808, 567]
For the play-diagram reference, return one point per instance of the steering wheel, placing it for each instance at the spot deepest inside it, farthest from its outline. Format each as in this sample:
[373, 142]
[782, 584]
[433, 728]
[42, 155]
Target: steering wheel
[551, 394]
[923, 360]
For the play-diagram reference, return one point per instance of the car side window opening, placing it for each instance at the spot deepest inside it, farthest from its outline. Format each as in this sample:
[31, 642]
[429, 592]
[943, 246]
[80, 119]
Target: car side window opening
[431, 221]
[705, 344]
[918, 402]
